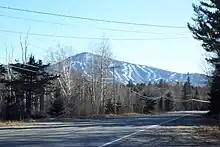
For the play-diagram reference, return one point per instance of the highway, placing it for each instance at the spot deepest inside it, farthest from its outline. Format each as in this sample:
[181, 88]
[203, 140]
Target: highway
[171, 129]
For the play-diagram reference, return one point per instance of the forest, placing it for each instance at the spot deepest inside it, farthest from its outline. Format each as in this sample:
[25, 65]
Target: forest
[32, 89]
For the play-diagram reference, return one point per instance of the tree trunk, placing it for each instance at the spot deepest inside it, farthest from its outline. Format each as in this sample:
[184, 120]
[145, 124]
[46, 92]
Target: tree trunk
[42, 104]
[28, 105]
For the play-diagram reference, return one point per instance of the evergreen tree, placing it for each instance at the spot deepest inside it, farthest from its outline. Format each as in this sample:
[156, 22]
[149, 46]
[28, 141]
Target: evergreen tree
[149, 103]
[149, 84]
[2, 90]
[30, 83]
[2, 71]
[11, 109]
[161, 104]
[187, 91]
[57, 107]
[140, 86]
[214, 94]
[161, 83]
[196, 105]
[196, 95]
[130, 84]
[119, 107]
[169, 102]
[207, 30]
[109, 107]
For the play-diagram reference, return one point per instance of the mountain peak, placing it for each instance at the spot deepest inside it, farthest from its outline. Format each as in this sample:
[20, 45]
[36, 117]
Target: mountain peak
[134, 72]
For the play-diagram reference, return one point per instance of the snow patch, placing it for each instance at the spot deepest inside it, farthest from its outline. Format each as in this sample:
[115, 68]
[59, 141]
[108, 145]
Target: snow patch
[125, 71]
[129, 74]
[136, 73]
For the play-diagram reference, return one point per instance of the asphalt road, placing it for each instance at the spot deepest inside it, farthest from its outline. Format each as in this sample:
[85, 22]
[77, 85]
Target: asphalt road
[161, 130]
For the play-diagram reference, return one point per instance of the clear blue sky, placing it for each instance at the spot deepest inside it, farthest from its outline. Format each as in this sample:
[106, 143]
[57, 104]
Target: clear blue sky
[179, 55]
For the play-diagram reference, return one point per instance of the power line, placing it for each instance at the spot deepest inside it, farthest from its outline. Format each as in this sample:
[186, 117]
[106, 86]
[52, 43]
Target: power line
[92, 19]
[30, 66]
[36, 72]
[70, 25]
[90, 38]
[23, 68]
[171, 99]
[150, 98]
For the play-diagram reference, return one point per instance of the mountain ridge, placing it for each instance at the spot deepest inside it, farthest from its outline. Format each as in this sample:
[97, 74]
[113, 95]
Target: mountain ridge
[140, 64]
[136, 72]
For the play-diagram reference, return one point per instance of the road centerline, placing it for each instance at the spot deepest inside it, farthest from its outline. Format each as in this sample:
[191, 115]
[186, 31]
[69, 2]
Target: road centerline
[148, 127]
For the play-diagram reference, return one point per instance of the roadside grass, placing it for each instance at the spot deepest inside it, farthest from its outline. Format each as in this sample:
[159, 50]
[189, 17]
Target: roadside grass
[211, 131]
[15, 123]
[10, 123]
[118, 115]
[132, 114]
[110, 115]
[66, 119]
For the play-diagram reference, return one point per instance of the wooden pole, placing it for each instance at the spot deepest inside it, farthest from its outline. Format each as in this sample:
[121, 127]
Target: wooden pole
[219, 120]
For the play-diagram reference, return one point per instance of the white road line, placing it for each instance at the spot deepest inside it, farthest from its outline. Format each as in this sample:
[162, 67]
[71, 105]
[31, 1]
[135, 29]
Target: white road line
[148, 127]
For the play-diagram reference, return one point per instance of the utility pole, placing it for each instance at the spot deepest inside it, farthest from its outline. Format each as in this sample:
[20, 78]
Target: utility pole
[83, 95]
[114, 90]
[113, 70]
[102, 98]
[219, 120]
[218, 117]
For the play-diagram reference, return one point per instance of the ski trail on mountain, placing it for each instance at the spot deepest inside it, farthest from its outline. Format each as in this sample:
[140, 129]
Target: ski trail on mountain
[136, 73]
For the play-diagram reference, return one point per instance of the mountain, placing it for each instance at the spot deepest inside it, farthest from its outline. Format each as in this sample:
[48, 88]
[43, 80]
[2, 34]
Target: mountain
[137, 73]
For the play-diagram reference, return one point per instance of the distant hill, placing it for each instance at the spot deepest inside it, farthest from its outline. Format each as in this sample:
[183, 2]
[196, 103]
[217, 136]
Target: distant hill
[136, 73]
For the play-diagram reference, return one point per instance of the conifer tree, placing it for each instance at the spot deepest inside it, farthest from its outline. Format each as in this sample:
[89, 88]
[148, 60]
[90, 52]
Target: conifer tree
[187, 91]
[2, 71]
[149, 103]
[119, 107]
[109, 107]
[169, 102]
[161, 104]
[206, 29]
[30, 83]
[196, 105]
[2, 90]
[57, 106]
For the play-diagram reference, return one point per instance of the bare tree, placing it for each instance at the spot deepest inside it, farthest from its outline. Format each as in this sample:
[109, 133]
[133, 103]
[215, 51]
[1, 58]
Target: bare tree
[60, 62]
[58, 53]
[84, 93]
[100, 72]
[24, 47]
[74, 85]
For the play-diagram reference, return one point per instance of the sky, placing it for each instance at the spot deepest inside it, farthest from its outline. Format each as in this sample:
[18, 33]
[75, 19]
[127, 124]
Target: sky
[178, 52]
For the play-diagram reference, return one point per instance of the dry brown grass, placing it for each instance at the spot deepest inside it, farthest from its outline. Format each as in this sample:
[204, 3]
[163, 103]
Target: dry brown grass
[131, 114]
[118, 115]
[10, 123]
[15, 123]
[208, 131]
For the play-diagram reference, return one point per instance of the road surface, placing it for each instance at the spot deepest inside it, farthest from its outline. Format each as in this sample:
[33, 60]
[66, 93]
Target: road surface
[172, 129]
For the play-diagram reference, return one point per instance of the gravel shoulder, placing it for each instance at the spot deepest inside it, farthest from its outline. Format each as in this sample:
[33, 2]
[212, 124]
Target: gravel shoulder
[171, 136]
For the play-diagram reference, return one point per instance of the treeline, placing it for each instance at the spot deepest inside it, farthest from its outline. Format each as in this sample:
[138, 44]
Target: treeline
[162, 96]
[29, 90]
[32, 89]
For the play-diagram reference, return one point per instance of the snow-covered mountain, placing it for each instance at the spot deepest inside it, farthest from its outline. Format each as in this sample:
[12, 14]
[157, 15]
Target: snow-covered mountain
[137, 73]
